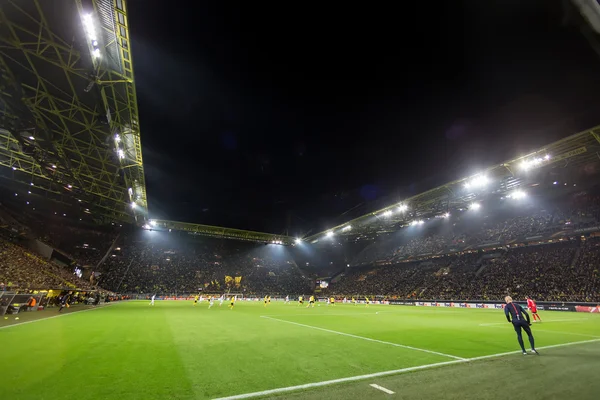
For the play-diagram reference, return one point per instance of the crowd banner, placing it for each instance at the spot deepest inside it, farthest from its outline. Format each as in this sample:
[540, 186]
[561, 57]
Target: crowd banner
[541, 305]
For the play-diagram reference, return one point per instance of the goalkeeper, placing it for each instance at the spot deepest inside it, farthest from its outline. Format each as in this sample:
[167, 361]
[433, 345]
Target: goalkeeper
[520, 320]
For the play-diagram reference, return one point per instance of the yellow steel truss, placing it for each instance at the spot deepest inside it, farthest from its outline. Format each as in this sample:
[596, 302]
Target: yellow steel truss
[61, 106]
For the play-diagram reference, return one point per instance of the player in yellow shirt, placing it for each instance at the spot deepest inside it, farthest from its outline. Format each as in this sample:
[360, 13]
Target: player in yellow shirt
[232, 303]
[195, 300]
[266, 300]
[354, 301]
[367, 301]
[332, 301]
[300, 300]
[311, 302]
[269, 300]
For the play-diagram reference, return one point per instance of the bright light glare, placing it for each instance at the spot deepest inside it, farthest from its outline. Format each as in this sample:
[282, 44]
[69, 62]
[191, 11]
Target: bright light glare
[517, 194]
[402, 207]
[31, 138]
[133, 205]
[146, 226]
[88, 25]
[446, 215]
[152, 222]
[475, 206]
[534, 162]
[121, 153]
[96, 53]
[387, 213]
[298, 240]
[329, 234]
[347, 228]
[478, 181]
[117, 138]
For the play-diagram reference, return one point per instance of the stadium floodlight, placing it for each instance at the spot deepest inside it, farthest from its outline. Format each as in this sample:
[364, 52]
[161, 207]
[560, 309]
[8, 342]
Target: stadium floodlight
[298, 240]
[347, 228]
[121, 154]
[70, 186]
[54, 166]
[146, 226]
[475, 206]
[31, 138]
[402, 207]
[133, 205]
[517, 194]
[534, 162]
[117, 138]
[96, 53]
[421, 222]
[14, 168]
[329, 234]
[477, 182]
[387, 213]
[152, 222]
[446, 215]
[90, 29]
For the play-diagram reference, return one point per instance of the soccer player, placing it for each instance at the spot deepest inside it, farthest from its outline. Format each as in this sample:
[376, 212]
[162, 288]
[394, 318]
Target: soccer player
[367, 301]
[533, 308]
[520, 320]
[311, 302]
[287, 299]
[266, 300]
[221, 300]
[232, 303]
[195, 300]
[211, 302]
[354, 301]
[300, 300]
[332, 301]
[269, 299]
[152, 300]
[64, 301]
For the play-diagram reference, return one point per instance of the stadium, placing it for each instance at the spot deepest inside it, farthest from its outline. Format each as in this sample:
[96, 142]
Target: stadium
[405, 299]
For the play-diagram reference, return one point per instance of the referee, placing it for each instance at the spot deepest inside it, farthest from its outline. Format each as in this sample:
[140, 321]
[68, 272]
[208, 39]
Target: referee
[520, 320]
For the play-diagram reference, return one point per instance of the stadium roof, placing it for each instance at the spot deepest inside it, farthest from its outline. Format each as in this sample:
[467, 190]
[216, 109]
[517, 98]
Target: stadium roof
[69, 124]
[502, 179]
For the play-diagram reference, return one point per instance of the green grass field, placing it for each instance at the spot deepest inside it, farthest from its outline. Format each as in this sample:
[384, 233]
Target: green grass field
[176, 351]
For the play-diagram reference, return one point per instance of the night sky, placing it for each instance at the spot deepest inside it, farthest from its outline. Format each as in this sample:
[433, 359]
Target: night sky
[303, 115]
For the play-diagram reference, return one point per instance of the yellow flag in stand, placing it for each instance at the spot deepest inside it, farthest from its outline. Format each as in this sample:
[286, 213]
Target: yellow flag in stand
[238, 281]
[228, 280]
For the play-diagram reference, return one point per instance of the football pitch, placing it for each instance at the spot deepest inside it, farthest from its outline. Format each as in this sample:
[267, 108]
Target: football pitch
[174, 350]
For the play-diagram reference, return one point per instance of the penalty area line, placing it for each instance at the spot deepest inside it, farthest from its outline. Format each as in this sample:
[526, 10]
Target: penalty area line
[56, 316]
[366, 338]
[385, 373]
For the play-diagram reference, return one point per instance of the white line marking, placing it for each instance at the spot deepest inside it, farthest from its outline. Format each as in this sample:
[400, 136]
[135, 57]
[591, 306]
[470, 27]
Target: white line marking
[546, 320]
[388, 391]
[365, 338]
[384, 373]
[55, 316]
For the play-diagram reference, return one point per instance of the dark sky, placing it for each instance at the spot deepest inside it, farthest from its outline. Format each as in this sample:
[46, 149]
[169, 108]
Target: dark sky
[305, 114]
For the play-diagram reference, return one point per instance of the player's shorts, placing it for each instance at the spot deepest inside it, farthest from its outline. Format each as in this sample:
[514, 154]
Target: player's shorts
[195, 301]
[265, 302]
[312, 302]
[232, 304]
[533, 310]
[301, 302]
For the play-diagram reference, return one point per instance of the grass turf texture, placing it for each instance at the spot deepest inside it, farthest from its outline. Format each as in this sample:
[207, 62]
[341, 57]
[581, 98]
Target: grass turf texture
[176, 351]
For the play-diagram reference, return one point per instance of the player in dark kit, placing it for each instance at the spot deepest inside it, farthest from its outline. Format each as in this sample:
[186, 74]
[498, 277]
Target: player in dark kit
[520, 320]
